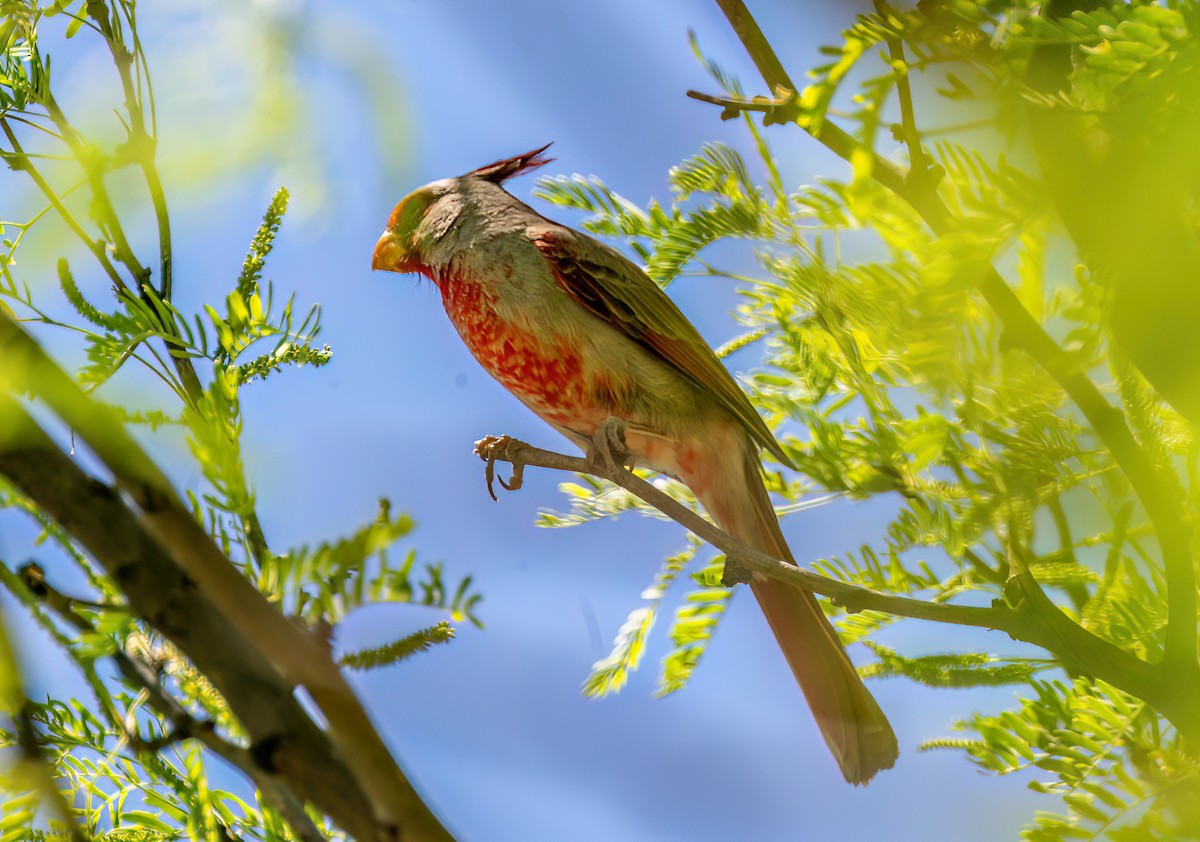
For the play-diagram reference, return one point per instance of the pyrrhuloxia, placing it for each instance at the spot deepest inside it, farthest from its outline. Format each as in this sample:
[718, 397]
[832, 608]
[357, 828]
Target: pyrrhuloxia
[580, 334]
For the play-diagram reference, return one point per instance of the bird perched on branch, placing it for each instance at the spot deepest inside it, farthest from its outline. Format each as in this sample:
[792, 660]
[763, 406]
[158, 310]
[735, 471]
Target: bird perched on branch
[581, 335]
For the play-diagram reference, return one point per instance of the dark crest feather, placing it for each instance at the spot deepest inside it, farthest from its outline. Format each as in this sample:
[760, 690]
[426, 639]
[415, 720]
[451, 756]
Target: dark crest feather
[503, 170]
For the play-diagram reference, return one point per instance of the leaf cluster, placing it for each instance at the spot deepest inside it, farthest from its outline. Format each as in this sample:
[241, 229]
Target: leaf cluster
[1118, 773]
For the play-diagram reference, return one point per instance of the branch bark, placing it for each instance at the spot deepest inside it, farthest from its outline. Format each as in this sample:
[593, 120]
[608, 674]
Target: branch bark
[185, 726]
[258, 637]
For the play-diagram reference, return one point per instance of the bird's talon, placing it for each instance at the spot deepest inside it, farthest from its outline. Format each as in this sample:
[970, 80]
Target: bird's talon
[491, 448]
[489, 475]
[517, 479]
[608, 445]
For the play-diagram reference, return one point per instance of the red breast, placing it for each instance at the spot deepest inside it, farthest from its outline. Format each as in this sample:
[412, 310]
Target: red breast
[544, 372]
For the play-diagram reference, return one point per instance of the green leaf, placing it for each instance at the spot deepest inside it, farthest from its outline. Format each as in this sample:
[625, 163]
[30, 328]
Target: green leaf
[694, 625]
[140, 818]
[399, 650]
[78, 16]
[610, 674]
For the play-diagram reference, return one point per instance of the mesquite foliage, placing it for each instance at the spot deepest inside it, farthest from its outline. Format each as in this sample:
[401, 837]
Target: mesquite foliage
[984, 323]
[130, 757]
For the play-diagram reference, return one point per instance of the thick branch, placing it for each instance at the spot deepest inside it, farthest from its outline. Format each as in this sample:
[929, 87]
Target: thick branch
[184, 725]
[1157, 492]
[163, 517]
[282, 736]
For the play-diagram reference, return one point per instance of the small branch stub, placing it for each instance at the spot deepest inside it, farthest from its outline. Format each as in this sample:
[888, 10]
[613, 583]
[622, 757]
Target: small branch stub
[734, 572]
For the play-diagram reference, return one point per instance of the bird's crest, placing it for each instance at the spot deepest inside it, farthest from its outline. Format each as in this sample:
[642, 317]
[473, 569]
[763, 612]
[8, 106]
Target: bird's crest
[503, 170]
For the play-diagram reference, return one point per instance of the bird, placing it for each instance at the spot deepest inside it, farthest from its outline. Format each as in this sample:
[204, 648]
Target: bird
[580, 334]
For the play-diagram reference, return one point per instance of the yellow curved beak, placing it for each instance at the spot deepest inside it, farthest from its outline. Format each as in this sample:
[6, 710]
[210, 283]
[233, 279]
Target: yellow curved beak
[390, 255]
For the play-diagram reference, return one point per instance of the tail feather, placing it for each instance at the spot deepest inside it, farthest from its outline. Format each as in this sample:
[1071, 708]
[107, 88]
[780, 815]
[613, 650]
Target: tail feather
[851, 721]
[853, 725]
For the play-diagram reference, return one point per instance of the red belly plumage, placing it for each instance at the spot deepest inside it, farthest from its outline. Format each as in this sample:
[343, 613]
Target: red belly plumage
[550, 376]
[544, 372]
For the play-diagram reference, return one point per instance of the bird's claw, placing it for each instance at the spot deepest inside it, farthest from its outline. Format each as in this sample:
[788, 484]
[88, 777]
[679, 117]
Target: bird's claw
[491, 448]
[516, 480]
[608, 445]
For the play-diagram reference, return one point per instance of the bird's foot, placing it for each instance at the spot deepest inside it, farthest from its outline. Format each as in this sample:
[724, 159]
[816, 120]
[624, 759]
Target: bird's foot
[504, 448]
[608, 450]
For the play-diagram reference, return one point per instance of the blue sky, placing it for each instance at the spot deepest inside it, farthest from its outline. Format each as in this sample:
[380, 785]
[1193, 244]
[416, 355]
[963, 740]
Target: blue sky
[493, 727]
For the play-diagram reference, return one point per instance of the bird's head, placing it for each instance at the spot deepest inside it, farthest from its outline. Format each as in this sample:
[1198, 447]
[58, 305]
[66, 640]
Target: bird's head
[426, 215]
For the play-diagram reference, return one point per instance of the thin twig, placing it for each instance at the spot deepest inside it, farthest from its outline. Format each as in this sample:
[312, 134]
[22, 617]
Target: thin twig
[110, 222]
[852, 597]
[908, 122]
[1033, 618]
[23, 118]
[142, 143]
[90, 162]
[95, 247]
[756, 44]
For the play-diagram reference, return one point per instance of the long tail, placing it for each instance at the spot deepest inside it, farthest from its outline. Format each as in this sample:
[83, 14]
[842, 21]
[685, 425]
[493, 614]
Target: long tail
[850, 719]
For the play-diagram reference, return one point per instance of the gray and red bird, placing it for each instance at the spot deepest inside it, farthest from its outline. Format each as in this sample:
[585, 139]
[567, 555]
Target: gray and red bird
[579, 334]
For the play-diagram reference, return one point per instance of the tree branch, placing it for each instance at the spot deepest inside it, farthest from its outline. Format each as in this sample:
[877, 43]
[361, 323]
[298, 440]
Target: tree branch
[1034, 618]
[184, 725]
[167, 524]
[1159, 494]
[283, 738]
[908, 121]
[756, 44]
